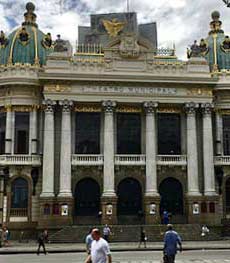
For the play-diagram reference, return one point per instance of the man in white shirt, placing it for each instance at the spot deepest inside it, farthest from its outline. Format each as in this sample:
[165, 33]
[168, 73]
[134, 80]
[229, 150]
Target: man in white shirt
[100, 251]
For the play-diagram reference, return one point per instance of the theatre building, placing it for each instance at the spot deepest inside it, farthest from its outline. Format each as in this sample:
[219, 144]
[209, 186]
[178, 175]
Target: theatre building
[115, 125]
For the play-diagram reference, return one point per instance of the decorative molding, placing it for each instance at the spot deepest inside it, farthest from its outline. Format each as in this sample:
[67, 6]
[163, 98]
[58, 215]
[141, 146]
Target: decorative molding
[169, 110]
[88, 108]
[200, 91]
[207, 108]
[57, 88]
[128, 108]
[150, 106]
[49, 105]
[66, 105]
[191, 107]
[109, 106]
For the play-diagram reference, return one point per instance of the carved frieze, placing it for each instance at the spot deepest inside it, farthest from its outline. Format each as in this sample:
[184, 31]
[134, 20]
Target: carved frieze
[57, 88]
[88, 108]
[199, 92]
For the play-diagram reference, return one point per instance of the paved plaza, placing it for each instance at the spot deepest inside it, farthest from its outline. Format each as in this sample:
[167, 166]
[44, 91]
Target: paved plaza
[201, 256]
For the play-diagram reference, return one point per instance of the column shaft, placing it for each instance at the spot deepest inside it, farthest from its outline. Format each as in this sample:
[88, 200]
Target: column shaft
[209, 179]
[151, 166]
[108, 177]
[219, 134]
[9, 132]
[65, 165]
[48, 152]
[192, 151]
[33, 131]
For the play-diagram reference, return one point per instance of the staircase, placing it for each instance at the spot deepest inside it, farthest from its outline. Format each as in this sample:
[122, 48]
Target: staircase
[131, 233]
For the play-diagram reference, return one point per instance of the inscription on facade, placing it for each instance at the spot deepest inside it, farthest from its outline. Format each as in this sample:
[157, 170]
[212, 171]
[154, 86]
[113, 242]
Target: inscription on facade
[129, 90]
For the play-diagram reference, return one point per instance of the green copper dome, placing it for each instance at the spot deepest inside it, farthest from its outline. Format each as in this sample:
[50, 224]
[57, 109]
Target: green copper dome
[27, 44]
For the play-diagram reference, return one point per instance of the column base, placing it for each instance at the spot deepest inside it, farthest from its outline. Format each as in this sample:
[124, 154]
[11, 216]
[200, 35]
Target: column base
[194, 193]
[210, 193]
[109, 210]
[152, 209]
[47, 195]
[109, 194]
[65, 194]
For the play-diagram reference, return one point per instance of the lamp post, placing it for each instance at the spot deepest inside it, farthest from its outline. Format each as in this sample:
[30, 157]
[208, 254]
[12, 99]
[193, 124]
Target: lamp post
[227, 2]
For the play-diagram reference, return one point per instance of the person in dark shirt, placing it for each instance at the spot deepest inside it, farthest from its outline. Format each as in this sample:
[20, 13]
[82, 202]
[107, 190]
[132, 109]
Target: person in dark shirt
[143, 238]
[42, 238]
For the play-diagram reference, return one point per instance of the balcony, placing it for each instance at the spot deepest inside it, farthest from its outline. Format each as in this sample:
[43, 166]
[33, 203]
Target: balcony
[125, 159]
[87, 160]
[18, 159]
[222, 160]
[172, 160]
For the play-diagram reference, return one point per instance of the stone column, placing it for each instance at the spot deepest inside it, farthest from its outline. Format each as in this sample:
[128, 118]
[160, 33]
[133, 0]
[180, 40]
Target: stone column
[192, 152]
[9, 130]
[108, 178]
[33, 130]
[48, 150]
[209, 179]
[151, 152]
[219, 133]
[65, 165]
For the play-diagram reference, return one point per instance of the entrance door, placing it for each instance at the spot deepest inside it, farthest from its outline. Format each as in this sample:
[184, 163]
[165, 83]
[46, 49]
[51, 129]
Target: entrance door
[171, 193]
[129, 206]
[227, 196]
[87, 198]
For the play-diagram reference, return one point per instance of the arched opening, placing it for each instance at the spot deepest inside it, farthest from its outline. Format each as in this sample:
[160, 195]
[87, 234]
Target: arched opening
[171, 193]
[87, 198]
[129, 204]
[20, 197]
[227, 196]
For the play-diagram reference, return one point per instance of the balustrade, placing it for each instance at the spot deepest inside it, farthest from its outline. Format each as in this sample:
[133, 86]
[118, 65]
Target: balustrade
[222, 160]
[81, 159]
[34, 160]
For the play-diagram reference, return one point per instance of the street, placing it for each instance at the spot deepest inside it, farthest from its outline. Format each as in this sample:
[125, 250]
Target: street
[206, 256]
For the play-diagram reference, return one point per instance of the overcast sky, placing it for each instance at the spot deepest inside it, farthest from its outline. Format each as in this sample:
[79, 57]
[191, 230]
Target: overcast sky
[179, 21]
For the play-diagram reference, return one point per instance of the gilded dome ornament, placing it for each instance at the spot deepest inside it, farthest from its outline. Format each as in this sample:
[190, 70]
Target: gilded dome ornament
[113, 27]
[3, 40]
[23, 36]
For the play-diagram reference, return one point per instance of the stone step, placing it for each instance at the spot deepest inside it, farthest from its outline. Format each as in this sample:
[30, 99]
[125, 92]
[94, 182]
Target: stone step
[127, 233]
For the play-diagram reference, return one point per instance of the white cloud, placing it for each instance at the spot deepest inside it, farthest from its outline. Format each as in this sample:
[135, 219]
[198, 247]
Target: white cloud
[179, 21]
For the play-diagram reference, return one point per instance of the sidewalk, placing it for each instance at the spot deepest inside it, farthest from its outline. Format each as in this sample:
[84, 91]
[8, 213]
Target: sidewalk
[30, 247]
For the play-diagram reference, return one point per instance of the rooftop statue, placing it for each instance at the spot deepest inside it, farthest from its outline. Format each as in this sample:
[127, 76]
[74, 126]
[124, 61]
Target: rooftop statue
[226, 44]
[113, 27]
[3, 40]
[24, 36]
[47, 41]
[60, 45]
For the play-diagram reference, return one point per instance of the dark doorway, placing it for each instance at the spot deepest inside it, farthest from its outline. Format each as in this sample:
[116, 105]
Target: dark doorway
[227, 196]
[87, 198]
[129, 197]
[171, 193]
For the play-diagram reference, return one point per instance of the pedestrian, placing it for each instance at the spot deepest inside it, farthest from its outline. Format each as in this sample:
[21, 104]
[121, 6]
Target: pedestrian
[1, 235]
[100, 251]
[204, 230]
[88, 241]
[171, 239]
[42, 238]
[6, 236]
[106, 232]
[165, 217]
[143, 238]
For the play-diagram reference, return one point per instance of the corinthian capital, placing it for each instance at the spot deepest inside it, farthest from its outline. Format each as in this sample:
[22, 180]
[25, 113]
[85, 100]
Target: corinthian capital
[150, 106]
[109, 106]
[66, 105]
[49, 105]
[191, 107]
[207, 108]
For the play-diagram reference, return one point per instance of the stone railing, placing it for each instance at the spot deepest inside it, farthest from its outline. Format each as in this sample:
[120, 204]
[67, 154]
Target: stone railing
[171, 159]
[20, 212]
[124, 159]
[85, 159]
[19, 159]
[222, 160]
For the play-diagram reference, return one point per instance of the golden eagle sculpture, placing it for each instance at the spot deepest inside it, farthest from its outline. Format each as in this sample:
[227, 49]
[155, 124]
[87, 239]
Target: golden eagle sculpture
[113, 27]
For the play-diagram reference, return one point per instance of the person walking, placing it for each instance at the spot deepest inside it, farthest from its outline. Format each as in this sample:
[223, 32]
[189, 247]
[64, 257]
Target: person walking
[171, 239]
[106, 232]
[143, 238]
[88, 241]
[6, 236]
[42, 238]
[100, 251]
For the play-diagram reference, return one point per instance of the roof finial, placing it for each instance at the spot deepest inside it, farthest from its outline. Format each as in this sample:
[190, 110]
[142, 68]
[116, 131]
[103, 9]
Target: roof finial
[30, 16]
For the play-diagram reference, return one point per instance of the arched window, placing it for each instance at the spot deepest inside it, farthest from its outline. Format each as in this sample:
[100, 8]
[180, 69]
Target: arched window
[203, 207]
[19, 193]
